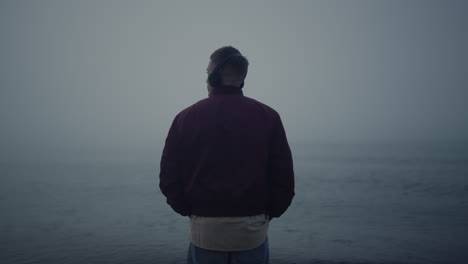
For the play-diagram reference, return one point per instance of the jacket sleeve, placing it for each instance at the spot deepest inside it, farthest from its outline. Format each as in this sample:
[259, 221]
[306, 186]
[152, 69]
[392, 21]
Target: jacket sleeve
[280, 172]
[170, 181]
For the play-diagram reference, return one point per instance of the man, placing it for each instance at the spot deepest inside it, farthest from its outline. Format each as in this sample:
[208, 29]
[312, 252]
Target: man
[227, 165]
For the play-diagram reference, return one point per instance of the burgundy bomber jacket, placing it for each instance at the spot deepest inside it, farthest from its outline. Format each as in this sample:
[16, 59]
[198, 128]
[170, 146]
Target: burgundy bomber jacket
[227, 155]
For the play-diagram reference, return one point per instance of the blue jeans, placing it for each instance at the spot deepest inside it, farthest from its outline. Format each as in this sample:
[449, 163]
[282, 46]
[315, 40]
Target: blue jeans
[259, 255]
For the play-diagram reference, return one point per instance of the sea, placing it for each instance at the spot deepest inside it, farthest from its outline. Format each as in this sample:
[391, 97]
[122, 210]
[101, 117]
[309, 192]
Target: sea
[404, 202]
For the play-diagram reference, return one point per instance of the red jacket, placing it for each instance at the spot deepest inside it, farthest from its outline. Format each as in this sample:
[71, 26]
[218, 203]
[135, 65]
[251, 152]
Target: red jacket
[227, 155]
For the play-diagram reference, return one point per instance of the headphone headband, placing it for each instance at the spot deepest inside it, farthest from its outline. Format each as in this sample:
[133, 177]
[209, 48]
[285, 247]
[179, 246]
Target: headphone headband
[214, 78]
[225, 60]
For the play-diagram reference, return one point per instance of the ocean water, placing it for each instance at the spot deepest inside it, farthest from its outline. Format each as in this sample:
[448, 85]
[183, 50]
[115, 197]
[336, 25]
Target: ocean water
[354, 203]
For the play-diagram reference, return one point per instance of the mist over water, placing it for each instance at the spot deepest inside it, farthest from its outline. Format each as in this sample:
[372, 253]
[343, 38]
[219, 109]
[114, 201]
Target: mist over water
[372, 95]
[358, 203]
[87, 77]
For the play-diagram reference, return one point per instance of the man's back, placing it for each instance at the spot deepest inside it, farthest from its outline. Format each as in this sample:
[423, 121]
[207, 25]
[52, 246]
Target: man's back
[232, 158]
[227, 164]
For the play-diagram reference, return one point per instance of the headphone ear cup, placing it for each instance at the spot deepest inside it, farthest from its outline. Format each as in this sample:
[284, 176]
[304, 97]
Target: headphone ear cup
[213, 80]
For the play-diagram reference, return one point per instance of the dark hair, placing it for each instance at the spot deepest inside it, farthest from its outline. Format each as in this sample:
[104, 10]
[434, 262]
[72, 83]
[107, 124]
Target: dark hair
[239, 65]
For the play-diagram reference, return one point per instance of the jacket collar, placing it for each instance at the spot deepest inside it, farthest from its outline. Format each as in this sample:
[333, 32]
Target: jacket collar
[226, 89]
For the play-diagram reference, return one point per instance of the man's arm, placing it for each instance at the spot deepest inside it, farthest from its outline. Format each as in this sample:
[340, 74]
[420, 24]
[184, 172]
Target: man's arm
[280, 172]
[169, 177]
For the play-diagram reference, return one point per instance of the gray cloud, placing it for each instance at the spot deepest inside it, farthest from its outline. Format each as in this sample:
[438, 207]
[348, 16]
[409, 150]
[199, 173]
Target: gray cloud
[109, 76]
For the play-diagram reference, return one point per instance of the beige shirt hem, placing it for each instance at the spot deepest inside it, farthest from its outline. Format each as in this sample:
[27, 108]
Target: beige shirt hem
[228, 233]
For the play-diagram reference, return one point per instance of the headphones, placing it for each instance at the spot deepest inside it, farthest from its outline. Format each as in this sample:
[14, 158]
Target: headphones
[214, 78]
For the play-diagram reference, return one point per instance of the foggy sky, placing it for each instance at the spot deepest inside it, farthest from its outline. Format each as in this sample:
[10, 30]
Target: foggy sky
[111, 75]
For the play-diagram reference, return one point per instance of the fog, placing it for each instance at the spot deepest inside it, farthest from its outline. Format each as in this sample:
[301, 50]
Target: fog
[109, 76]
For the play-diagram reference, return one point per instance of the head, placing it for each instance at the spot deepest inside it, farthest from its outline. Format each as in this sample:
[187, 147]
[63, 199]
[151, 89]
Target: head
[233, 72]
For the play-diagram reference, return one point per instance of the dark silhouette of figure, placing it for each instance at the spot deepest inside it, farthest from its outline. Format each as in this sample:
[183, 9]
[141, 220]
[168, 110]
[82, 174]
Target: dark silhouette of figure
[227, 165]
